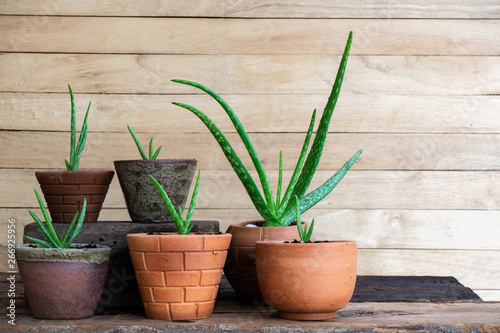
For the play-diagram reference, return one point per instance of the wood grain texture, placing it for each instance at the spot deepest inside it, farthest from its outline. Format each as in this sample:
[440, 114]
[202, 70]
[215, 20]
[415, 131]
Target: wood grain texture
[244, 37]
[421, 97]
[268, 113]
[39, 150]
[151, 74]
[257, 8]
[467, 190]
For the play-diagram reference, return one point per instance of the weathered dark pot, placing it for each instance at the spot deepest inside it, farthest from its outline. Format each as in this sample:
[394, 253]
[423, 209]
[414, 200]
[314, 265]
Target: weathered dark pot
[240, 267]
[62, 283]
[142, 198]
[64, 192]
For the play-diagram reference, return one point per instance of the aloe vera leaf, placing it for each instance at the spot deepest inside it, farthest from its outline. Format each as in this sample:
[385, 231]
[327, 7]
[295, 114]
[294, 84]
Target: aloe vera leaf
[314, 156]
[298, 166]
[238, 166]
[81, 140]
[73, 130]
[322, 191]
[299, 223]
[44, 230]
[244, 138]
[68, 166]
[78, 224]
[170, 207]
[309, 233]
[280, 180]
[137, 142]
[151, 149]
[156, 153]
[194, 197]
[39, 241]
[47, 219]
[68, 231]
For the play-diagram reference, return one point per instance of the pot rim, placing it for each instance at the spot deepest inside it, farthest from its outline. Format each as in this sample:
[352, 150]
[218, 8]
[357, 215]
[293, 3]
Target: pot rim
[166, 160]
[76, 171]
[34, 252]
[317, 243]
[175, 234]
[245, 223]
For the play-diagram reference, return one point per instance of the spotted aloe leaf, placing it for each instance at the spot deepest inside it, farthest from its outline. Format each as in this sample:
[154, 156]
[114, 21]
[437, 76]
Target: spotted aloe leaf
[281, 212]
[238, 166]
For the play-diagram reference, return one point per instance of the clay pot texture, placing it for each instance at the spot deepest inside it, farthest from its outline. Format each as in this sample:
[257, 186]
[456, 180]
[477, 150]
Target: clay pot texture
[144, 203]
[240, 264]
[306, 281]
[178, 275]
[64, 192]
[62, 283]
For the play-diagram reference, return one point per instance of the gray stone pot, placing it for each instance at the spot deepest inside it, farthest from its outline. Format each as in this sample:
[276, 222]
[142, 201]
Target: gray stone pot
[143, 200]
[62, 283]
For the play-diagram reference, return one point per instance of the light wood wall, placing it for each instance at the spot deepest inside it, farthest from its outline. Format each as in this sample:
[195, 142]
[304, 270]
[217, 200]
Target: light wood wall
[420, 97]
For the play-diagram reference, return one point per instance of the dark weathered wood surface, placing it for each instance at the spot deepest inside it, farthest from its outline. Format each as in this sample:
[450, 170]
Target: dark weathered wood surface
[232, 316]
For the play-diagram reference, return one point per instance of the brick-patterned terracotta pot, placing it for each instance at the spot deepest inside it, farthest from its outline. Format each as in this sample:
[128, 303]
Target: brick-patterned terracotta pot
[64, 192]
[62, 283]
[240, 264]
[306, 281]
[178, 275]
[144, 203]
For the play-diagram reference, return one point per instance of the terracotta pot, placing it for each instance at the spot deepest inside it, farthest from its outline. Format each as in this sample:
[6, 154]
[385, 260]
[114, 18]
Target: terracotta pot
[240, 264]
[144, 203]
[178, 275]
[62, 283]
[306, 281]
[64, 192]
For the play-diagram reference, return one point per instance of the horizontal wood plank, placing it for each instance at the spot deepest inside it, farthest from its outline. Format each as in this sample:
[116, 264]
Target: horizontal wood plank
[221, 189]
[380, 151]
[371, 229]
[458, 264]
[258, 113]
[231, 36]
[151, 74]
[258, 8]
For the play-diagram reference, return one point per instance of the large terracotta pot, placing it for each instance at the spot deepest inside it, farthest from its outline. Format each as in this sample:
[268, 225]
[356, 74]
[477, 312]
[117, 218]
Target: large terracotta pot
[64, 192]
[178, 275]
[62, 283]
[240, 264]
[144, 203]
[306, 281]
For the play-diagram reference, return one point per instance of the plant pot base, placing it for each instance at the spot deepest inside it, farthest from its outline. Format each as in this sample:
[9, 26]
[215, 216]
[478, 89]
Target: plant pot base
[306, 316]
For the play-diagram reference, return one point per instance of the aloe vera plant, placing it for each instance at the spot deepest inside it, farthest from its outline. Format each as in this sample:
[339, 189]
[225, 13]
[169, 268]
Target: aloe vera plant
[304, 234]
[183, 227]
[152, 155]
[281, 211]
[53, 241]
[76, 149]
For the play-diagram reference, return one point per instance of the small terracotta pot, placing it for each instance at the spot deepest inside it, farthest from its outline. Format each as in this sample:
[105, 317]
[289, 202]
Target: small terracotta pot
[306, 281]
[144, 203]
[62, 283]
[64, 192]
[178, 275]
[240, 264]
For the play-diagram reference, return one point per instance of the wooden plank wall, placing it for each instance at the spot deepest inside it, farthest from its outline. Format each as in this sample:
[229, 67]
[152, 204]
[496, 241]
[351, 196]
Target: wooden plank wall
[420, 97]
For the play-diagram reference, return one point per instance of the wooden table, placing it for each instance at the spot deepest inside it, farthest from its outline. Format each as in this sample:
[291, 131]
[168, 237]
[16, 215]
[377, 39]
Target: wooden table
[415, 315]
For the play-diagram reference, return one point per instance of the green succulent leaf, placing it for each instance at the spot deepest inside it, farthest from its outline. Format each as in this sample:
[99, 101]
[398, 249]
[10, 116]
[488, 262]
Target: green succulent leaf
[194, 197]
[322, 191]
[314, 156]
[244, 138]
[49, 231]
[137, 142]
[76, 149]
[234, 160]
